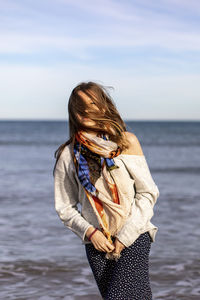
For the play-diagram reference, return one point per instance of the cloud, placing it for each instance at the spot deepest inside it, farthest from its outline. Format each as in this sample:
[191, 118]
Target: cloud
[107, 24]
[148, 50]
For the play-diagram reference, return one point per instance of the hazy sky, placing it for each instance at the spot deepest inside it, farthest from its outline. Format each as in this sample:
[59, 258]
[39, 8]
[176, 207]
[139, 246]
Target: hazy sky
[149, 51]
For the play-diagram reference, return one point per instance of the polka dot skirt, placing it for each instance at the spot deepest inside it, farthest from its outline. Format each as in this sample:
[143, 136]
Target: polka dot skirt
[128, 277]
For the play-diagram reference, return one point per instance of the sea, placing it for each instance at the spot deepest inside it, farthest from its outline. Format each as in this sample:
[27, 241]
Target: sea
[41, 259]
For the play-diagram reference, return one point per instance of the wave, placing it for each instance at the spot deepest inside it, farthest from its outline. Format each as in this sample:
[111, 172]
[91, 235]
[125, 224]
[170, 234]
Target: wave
[188, 170]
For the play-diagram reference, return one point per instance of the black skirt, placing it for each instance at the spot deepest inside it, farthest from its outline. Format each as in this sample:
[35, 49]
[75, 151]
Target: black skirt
[126, 278]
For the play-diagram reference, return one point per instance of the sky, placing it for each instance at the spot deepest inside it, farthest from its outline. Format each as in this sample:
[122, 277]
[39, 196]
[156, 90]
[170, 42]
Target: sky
[147, 50]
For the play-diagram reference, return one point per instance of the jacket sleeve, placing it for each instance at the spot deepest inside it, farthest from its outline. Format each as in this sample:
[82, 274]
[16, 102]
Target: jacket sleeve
[66, 199]
[146, 194]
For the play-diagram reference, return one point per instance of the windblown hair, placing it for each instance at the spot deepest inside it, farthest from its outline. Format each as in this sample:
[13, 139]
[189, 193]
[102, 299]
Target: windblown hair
[107, 118]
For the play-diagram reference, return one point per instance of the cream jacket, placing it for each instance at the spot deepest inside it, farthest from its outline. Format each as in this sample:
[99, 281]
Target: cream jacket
[68, 193]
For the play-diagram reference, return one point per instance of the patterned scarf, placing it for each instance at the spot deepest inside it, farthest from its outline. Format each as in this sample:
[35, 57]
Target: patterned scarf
[108, 194]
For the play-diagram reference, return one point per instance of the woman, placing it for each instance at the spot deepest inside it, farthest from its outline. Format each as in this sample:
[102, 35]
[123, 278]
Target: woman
[103, 168]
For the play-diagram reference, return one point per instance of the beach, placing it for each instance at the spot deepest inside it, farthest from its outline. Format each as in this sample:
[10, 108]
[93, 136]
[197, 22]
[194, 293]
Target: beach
[41, 259]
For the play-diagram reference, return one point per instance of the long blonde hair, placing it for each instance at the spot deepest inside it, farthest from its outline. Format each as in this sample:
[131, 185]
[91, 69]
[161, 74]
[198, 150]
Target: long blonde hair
[107, 118]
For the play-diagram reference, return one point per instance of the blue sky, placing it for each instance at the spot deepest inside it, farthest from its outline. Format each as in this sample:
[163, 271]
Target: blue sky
[149, 51]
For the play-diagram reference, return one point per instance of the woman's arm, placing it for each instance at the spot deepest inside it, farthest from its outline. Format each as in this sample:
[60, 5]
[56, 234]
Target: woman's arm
[146, 192]
[66, 199]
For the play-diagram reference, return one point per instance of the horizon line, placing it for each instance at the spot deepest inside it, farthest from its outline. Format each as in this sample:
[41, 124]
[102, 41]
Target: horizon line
[125, 120]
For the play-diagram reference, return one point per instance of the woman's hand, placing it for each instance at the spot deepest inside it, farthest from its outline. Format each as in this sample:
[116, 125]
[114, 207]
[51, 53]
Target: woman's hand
[99, 241]
[118, 246]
